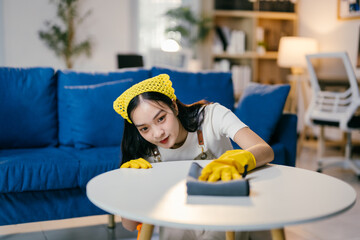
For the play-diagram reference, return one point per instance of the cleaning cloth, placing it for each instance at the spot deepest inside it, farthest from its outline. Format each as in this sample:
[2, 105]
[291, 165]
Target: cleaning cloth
[239, 187]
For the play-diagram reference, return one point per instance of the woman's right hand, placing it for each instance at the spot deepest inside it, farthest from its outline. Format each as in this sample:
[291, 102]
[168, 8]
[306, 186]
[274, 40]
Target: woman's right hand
[137, 163]
[228, 166]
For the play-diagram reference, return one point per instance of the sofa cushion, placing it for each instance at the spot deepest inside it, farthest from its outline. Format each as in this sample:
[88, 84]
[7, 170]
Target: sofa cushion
[261, 106]
[72, 78]
[37, 169]
[93, 121]
[94, 161]
[28, 113]
[286, 134]
[191, 87]
[279, 155]
[34, 206]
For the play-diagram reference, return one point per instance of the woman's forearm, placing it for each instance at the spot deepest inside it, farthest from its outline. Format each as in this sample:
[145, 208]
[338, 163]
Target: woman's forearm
[250, 141]
[263, 154]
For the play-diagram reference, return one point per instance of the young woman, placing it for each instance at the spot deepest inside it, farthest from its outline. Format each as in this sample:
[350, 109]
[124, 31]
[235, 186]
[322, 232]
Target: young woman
[158, 127]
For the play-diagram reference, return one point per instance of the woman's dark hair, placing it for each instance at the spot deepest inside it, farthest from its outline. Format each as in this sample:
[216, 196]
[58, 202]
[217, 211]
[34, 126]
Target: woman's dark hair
[134, 146]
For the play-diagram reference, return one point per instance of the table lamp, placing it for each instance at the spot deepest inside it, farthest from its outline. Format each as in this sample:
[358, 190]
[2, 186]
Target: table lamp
[170, 45]
[292, 51]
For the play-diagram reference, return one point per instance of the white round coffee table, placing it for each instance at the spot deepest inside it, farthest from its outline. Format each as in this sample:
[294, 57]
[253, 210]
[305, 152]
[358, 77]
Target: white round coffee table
[279, 196]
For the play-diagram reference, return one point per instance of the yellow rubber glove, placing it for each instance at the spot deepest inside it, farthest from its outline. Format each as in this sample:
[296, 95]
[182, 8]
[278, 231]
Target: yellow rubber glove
[228, 166]
[215, 171]
[137, 163]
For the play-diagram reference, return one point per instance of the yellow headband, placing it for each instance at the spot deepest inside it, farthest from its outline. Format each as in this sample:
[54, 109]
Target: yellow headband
[160, 84]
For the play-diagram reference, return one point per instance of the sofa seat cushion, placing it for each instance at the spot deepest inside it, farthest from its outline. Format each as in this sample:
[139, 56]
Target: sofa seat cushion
[28, 109]
[191, 87]
[53, 168]
[37, 206]
[94, 161]
[70, 98]
[37, 169]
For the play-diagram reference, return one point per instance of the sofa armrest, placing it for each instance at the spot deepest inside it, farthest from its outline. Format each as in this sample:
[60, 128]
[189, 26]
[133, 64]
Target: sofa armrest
[285, 133]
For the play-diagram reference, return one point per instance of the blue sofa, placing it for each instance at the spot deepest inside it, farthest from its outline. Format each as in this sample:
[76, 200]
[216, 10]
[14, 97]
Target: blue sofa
[58, 130]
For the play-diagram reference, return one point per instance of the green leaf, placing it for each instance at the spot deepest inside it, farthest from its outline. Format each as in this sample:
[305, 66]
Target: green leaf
[60, 38]
[192, 29]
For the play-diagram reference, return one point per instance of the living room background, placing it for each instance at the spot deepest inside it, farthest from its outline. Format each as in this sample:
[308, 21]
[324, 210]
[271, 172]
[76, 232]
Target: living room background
[113, 25]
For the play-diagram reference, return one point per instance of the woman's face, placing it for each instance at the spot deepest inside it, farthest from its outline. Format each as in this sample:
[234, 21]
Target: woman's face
[158, 124]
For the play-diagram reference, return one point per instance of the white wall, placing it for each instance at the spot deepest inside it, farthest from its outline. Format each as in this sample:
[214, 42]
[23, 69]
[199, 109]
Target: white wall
[113, 29]
[318, 19]
[109, 27]
[2, 53]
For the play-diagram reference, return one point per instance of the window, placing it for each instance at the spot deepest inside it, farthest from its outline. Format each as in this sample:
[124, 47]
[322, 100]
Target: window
[152, 22]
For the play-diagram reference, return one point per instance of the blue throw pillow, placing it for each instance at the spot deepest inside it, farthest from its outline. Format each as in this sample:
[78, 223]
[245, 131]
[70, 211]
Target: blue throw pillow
[73, 78]
[191, 87]
[28, 111]
[261, 106]
[93, 121]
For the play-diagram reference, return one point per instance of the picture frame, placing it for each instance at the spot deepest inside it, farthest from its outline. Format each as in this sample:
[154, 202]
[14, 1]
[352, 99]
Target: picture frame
[348, 9]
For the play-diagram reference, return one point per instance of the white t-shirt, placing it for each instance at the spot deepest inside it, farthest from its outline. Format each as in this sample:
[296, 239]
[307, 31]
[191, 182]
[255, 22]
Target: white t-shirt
[219, 125]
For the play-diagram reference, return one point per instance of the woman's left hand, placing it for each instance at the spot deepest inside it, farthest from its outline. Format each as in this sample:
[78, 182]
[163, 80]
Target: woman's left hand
[137, 163]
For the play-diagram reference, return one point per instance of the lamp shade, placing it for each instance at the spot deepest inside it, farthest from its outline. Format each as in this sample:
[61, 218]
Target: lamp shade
[292, 51]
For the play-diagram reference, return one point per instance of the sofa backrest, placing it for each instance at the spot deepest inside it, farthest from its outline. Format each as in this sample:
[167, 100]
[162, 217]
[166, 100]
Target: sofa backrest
[86, 115]
[191, 87]
[28, 112]
[39, 108]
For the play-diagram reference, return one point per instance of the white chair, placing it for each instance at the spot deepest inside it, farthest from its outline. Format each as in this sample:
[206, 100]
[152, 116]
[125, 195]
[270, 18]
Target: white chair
[333, 107]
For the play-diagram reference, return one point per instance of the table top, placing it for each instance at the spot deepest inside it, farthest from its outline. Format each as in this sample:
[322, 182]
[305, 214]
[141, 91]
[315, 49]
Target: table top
[279, 196]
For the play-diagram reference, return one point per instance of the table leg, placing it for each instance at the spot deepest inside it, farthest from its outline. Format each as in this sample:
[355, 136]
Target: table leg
[278, 234]
[111, 221]
[146, 231]
[230, 235]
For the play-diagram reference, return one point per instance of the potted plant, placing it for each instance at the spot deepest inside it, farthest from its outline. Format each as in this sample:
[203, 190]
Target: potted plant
[189, 28]
[61, 37]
